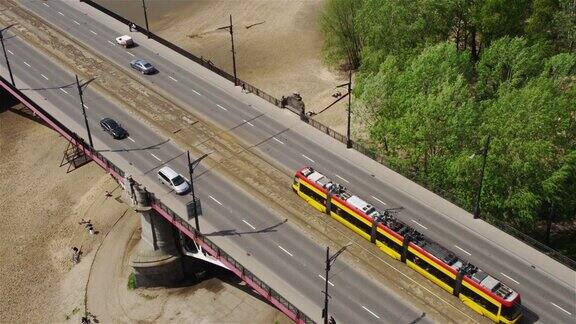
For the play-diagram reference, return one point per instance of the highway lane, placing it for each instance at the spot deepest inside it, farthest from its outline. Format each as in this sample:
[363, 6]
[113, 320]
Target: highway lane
[287, 253]
[541, 292]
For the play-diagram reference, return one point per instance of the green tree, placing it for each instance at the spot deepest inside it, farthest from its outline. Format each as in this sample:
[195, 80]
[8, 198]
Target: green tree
[565, 26]
[341, 37]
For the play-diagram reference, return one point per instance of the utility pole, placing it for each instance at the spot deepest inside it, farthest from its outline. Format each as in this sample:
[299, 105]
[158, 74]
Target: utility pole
[231, 30]
[146, 19]
[329, 262]
[349, 94]
[6, 56]
[84, 112]
[191, 166]
[479, 190]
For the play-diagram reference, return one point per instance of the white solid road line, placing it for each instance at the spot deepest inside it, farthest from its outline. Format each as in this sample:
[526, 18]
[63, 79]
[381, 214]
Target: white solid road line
[130, 54]
[157, 158]
[309, 159]
[130, 138]
[277, 140]
[461, 249]
[9, 51]
[26, 63]
[419, 224]
[61, 14]
[93, 32]
[343, 179]
[380, 201]
[371, 312]
[173, 78]
[44, 76]
[505, 275]
[249, 224]
[111, 43]
[331, 284]
[565, 311]
[46, 5]
[283, 249]
[219, 203]
[77, 23]
[196, 92]
[221, 107]
[66, 92]
[247, 122]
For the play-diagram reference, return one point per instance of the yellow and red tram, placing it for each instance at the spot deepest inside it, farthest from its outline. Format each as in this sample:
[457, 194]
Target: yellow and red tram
[474, 287]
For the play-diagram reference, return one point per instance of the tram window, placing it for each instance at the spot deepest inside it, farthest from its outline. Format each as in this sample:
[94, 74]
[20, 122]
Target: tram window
[437, 273]
[312, 194]
[411, 256]
[479, 300]
[351, 219]
[387, 241]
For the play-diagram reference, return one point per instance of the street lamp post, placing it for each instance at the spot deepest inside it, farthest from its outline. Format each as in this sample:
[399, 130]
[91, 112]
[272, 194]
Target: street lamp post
[349, 94]
[6, 56]
[191, 166]
[231, 30]
[84, 112]
[476, 212]
[329, 262]
[146, 19]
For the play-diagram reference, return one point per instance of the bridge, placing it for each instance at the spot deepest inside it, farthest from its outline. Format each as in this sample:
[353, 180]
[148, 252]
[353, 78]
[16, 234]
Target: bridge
[284, 264]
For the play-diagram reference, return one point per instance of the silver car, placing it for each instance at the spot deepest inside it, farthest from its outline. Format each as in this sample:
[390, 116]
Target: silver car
[143, 66]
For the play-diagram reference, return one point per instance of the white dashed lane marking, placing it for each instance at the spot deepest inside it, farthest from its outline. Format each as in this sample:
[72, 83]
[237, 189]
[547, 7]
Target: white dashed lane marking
[342, 179]
[44, 76]
[461, 249]
[173, 78]
[130, 54]
[196, 92]
[219, 106]
[46, 5]
[157, 158]
[249, 224]
[419, 224]
[283, 249]
[77, 23]
[505, 275]
[378, 200]
[86, 107]
[93, 32]
[371, 312]
[111, 43]
[26, 63]
[247, 122]
[309, 159]
[277, 140]
[66, 92]
[9, 51]
[331, 284]
[562, 309]
[130, 138]
[219, 203]
[61, 14]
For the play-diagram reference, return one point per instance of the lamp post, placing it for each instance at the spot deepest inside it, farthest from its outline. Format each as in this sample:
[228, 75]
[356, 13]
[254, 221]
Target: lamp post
[84, 112]
[349, 94]
[329, 262]
[231, 29]
[191, 166]
[146, 19]
[6, 56]
[476, 212]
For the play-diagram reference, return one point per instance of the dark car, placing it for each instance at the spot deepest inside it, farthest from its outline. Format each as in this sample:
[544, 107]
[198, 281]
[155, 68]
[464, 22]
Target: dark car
[143, 66]
[110, 126]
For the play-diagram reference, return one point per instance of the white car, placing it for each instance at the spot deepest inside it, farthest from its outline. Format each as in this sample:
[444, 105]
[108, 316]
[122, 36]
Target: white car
[173, 180]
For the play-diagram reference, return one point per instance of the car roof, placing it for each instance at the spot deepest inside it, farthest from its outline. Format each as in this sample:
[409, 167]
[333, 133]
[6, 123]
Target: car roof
[139, 61]
[107, 120]
[169, 172]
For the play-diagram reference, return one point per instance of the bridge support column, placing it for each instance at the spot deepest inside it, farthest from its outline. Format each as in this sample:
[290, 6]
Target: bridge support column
[156, 260]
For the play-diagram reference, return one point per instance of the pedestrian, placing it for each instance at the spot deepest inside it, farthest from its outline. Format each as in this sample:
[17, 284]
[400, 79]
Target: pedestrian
[129, 26]
[90, 229]
[85, 320]
[75, 254]
[243, 88]
[133, 27]
[108, 194]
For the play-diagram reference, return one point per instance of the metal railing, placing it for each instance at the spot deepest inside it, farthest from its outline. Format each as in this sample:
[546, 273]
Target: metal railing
[371, 153]
[262, 288]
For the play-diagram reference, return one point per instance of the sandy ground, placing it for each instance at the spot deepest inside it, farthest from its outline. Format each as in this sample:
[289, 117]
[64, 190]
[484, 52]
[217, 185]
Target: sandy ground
[277, 44]
[41, 206]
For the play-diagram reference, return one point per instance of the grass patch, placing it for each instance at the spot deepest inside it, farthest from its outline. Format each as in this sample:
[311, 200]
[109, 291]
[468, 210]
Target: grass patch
[131, 282]
[74, 311]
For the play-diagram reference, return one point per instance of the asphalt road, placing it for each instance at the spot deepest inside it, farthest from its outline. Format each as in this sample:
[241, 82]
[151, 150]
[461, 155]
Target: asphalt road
[276, 247]
[547, 287]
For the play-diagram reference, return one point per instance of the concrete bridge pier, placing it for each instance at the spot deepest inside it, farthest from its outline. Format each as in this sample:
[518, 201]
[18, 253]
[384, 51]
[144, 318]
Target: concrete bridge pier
[156, 260]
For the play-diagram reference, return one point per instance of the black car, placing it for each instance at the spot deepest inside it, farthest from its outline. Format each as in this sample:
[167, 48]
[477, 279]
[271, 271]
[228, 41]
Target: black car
[113, 128]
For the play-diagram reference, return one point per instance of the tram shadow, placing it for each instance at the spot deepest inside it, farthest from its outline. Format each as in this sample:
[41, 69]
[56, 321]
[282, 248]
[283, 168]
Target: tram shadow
[529, 316]
[233, 231]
